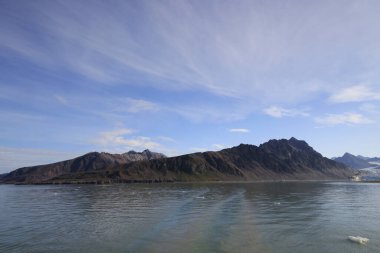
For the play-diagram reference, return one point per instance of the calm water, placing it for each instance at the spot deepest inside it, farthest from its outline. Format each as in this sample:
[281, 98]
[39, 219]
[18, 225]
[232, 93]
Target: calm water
[219, 217]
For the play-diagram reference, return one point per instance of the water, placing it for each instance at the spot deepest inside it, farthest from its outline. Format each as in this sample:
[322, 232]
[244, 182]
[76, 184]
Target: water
[215, 217]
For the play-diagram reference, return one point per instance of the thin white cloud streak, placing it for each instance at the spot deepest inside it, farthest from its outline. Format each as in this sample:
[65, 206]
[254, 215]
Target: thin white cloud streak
[116, 108]
[280, 112]
[270, 51]
[139, 105]
[123, 139]
[347, 118]
[357, 93]
[238, 130]
[209, 113]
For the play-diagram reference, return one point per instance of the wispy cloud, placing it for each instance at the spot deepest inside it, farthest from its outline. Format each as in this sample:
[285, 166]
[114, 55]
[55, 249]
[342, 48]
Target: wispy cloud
[133, 63]
[347, 118]
[357, 93]
[280, 112]
[117, 138]
[213, 113]
[113, 136]
[186, 47]
[138, 105]
[239, 130]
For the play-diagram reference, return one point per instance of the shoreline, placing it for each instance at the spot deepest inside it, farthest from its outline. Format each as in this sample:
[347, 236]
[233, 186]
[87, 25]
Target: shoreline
[158, 182]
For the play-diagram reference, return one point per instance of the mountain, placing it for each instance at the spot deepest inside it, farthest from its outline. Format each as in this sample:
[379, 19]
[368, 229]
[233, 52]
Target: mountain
[89, 162]
[374, 160]
[354, 162]
[274, 160]
[363, 157]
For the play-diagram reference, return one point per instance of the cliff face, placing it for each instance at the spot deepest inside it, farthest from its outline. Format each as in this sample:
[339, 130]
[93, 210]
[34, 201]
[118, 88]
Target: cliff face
[273, 160]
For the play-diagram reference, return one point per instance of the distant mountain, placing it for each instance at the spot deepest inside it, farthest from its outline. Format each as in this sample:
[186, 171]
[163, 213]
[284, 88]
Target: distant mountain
[274, 160]
[89, 162]
[363, 157]
[356, 162]
[373, 160]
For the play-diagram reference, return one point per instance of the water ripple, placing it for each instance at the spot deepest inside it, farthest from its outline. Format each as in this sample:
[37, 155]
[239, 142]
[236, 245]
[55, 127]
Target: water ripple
[217, 217]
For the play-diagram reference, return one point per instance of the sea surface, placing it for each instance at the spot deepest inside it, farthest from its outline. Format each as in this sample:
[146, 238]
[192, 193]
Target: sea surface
[205, 217]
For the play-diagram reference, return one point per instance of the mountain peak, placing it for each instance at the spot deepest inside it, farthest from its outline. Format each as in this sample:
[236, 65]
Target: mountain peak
[292, 142]
[289, 149]
[300, 144]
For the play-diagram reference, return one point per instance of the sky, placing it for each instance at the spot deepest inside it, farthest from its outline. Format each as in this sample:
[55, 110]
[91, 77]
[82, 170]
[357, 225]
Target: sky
[186, 76]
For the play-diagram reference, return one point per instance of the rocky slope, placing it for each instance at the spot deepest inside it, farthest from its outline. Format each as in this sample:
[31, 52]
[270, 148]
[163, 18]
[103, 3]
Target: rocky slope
[274, 160]
[93, 161]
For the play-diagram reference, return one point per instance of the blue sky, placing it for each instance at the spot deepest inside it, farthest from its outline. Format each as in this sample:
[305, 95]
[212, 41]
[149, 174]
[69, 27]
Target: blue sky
[185, 76]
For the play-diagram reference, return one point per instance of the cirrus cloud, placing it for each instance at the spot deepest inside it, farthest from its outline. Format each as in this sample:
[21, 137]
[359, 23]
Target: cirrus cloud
[357, 93]
[138, 105]
[280, 112]
[347, 118]
[239, 130]
[117, 138]
[191, 45]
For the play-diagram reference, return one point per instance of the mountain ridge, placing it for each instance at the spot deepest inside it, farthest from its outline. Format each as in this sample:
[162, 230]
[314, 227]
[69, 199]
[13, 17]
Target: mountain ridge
[274, 160]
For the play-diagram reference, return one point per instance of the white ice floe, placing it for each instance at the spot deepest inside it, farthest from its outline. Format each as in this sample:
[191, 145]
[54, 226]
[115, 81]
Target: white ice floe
[358, 239]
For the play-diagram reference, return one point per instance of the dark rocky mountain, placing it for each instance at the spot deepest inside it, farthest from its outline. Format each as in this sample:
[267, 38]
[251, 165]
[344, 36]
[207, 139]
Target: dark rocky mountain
[89, 162]
[354, 162]
[274, 160]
